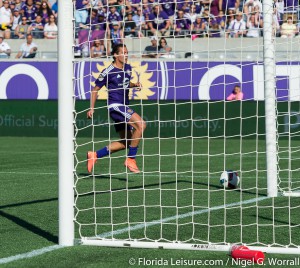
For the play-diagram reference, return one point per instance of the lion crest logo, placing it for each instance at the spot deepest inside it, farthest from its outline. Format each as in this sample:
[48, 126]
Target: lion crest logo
[139, 74]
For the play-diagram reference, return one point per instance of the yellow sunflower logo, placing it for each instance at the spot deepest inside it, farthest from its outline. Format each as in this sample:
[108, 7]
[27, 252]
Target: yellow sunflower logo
[139, 74]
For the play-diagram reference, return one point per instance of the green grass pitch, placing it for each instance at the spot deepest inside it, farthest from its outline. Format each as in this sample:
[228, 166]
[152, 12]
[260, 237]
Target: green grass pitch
[29, 202]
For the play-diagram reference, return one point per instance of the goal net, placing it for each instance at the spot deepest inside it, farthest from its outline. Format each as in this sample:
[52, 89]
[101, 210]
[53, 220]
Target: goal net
[225, 97]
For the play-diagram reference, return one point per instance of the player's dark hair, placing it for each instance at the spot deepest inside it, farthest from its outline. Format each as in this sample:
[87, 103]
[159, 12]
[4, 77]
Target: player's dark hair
[115, 49]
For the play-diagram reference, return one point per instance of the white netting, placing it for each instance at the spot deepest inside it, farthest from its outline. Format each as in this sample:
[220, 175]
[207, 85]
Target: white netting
[192, 135]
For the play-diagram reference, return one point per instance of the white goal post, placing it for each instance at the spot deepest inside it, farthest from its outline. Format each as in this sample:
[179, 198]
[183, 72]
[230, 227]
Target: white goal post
[177, 202]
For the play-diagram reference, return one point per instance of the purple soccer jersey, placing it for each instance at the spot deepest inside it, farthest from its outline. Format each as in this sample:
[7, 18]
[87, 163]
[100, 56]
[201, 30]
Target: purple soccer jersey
[168, 6]
[117, 82]
[30, 13]
[158, 20]
[182, 23]
[113, 17]
[184, 6]
[228, 4]
[79, 4]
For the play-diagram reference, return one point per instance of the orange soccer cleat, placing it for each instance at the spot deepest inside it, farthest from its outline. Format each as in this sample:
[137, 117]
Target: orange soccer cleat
[91, 160]
[130, 163]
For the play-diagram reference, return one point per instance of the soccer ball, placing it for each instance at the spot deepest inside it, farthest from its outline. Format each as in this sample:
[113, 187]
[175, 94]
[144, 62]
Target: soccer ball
[230, 179]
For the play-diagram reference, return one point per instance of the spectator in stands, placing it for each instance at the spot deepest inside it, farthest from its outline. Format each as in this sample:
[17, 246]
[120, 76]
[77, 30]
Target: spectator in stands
[92, 20]
[17, 18]
[169, 7]
[36, 29]
[96, 4]
[121, 7]
[98, 49]
[159, 23]
[6, 20]
[28, 49]
[146, 8]
[250, 5]
[151, 51]
[50, 30]
[54, 9]
[191, 15]
[38, 5]
[99, 29]
[226, 5]
[29, 11]
[135, 4]
[230, 17]
[22, 29]
[81, 12]
[288, 29]
[19, 5]
[128, 9]
[183, 5]
[214, 29]
[113, 16]
[163, 48]
[221, 20]
[115, 36]
[254, 25]
[279, 10]
[214, 7]
[45, 12]
[237, 27]
[181, 25]
[12, 6]
[130, 27]
[198, 27]
[206, 16]
[236, 94]
[4, 49]
[84, 33]
[140, 21]
[258, 14]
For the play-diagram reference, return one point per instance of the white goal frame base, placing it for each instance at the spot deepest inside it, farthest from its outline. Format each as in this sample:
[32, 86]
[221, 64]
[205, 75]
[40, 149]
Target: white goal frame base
[291, 194]
[183, 246]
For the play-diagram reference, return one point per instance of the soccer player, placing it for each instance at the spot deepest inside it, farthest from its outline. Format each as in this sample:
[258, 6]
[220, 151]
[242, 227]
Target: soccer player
[128, 123]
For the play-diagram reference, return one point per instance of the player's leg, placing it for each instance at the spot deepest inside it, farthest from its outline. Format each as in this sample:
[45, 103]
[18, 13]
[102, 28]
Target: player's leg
[115, 146]
[119, 115]
[139, 126]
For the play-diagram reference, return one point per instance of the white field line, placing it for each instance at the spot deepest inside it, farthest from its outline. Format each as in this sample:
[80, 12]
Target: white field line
[135, 227]
[181, 216]
[28, 173]
[30, 254]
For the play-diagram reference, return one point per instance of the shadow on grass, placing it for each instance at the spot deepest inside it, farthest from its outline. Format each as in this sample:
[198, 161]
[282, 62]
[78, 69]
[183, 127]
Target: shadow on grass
[271, 220]
[216, 186]
[30, 227]
[131, 188]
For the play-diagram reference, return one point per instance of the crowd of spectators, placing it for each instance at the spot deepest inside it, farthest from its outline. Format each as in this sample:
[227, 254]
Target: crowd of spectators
[103, 23]
[18, 18]
[109, 21]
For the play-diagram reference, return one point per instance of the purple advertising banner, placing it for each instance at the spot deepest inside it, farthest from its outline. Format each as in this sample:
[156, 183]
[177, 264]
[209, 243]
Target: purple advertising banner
[164, 80]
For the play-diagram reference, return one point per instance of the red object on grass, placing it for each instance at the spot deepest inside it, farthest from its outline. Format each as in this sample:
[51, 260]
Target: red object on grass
[243, 252]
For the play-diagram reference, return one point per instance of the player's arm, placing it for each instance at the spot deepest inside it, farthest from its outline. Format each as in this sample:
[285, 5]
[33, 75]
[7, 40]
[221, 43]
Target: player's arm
[99, 83]
[94, 96]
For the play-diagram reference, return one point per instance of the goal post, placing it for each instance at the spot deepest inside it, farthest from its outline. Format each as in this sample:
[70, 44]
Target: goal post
[270, 97]
[65, 123]
[193, 134]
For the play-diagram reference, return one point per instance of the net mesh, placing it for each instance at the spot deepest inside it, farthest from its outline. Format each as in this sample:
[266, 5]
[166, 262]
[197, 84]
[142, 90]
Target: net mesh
[193, 134]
